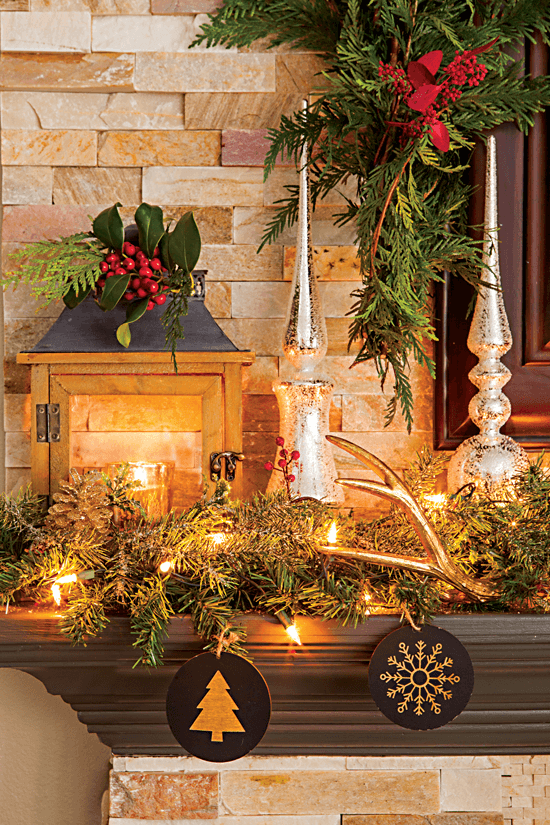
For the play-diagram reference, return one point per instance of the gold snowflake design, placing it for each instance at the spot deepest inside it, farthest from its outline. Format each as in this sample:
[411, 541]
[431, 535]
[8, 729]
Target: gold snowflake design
[420, 678]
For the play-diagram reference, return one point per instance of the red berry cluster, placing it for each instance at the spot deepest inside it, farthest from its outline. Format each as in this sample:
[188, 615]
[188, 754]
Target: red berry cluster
[148, 274]
[465, 69]
[286, 460]
[400, 81]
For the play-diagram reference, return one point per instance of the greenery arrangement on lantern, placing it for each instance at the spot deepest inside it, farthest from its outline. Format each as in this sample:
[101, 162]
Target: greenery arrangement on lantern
[409, 85]
[137, 276]
[221, 559]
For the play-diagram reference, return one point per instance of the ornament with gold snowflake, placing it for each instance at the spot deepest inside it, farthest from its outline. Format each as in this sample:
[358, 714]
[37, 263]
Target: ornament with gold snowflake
[420, 678]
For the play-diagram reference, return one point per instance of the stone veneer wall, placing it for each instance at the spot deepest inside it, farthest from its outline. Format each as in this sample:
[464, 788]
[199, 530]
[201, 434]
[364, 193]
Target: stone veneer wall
[101, 101]
[332, 790]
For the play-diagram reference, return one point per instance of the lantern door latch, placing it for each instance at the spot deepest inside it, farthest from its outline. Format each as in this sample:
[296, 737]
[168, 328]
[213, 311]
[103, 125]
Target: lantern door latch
[47, 423]
[230, 465]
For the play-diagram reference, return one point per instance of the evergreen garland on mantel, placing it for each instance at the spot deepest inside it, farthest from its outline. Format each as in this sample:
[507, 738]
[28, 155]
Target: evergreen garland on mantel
[409, 85]
[221, 559]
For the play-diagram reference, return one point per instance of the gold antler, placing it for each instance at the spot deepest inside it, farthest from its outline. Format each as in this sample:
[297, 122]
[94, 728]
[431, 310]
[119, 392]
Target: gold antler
[437, 563]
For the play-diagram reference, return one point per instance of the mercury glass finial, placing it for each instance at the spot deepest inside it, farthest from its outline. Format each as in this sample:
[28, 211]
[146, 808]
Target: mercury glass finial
[489, 459]
[305, 340]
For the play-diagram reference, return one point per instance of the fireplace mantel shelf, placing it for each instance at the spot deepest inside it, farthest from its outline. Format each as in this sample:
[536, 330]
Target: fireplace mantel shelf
[321, 701]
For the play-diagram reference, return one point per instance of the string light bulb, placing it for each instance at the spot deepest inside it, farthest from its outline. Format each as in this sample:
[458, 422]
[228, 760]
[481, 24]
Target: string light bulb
[217, 538]
[165, 566]
[289, 626]
[332, 533]
[438, 499]
[56, 589]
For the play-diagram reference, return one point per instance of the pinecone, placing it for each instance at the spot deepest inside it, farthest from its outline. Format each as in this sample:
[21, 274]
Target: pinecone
[80, 507]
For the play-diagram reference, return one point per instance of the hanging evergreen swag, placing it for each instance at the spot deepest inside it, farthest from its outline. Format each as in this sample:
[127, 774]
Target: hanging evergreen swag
[409, 85]
[221, 559]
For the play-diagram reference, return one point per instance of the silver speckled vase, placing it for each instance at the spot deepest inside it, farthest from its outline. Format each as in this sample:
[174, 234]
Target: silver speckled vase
[304, 402]
[489, 459]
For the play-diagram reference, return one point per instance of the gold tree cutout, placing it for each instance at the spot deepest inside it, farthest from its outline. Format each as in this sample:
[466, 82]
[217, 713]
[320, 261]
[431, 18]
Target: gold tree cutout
[217, 714]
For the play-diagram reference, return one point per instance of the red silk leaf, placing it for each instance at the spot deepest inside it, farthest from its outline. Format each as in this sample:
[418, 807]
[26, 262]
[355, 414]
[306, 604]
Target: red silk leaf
[432, 61]
[423, 98]
[439, 136]
[484, 48]
[419, 75]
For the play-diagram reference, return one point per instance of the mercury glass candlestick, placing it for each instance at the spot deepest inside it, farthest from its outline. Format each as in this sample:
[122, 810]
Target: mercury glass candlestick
[490, 459]
[304, 402]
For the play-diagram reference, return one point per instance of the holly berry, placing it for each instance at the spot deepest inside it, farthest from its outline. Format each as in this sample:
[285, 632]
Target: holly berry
[113, 258]
[101, 282]
[120, 271]
[104, 266]
[129, 248]
[141, 293]
[151, 305]
[153, 287]
[129, 296]
[155, 263]
[146, 272]
[129, 263]
[135, 283]
[159, 299]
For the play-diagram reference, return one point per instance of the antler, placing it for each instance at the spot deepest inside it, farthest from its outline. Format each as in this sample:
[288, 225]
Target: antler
[437, 563]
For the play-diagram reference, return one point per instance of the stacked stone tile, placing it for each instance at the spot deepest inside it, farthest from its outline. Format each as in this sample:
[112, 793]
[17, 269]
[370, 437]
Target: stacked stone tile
[102, 100]
[313, 790]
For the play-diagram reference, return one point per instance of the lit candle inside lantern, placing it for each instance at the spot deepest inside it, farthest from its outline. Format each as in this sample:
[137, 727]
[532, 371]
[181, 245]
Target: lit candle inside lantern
[154, 492]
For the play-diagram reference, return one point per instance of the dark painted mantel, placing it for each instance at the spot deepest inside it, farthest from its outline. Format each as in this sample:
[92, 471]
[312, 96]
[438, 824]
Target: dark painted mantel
[321, 701]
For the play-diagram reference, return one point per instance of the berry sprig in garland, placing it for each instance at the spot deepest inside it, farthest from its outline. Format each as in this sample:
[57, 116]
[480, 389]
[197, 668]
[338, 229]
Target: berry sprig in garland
[386, 117]
[284, 464]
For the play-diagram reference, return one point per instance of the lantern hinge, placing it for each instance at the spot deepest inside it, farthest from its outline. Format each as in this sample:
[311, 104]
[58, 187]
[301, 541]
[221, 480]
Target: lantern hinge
[47, 423]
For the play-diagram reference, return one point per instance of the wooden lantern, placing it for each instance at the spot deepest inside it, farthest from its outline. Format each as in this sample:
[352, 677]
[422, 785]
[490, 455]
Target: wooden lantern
[94, 403]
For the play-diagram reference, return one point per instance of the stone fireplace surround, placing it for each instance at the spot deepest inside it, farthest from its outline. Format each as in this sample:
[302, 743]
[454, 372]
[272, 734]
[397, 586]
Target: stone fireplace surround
[331, 790]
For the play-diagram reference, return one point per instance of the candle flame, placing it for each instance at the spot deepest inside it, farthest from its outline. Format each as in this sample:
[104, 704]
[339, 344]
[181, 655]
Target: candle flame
[332, 533]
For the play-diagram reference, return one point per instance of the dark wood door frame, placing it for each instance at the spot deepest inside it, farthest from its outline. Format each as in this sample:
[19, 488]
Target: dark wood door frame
[524, 215]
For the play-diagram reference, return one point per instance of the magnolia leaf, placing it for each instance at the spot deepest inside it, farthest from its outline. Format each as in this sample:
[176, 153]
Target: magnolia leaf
[73, 298]
[108, 227]
[123, 334]
[151, 227]
[432, 61]
[114, 289]
[166, 258]
[136, 311]
[184, 243]
[422, 98]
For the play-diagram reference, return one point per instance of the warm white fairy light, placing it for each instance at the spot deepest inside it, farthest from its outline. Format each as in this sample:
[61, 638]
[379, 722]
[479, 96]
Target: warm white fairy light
[56, 589]
[438, 499]
[217, 538]
[332, 533]
[165, 566]
[292, 631]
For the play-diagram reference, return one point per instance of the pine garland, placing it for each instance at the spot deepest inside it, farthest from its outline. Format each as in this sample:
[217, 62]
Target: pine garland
[407, 157]
[227, 558]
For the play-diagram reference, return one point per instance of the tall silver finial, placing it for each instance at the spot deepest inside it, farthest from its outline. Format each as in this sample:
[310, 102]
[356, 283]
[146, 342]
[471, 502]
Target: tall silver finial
[489, 459]
[305, 340]
[304, 402]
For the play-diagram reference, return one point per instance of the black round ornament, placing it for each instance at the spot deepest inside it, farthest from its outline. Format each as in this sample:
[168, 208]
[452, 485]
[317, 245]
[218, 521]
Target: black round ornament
[421, 679]
[218, 709]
